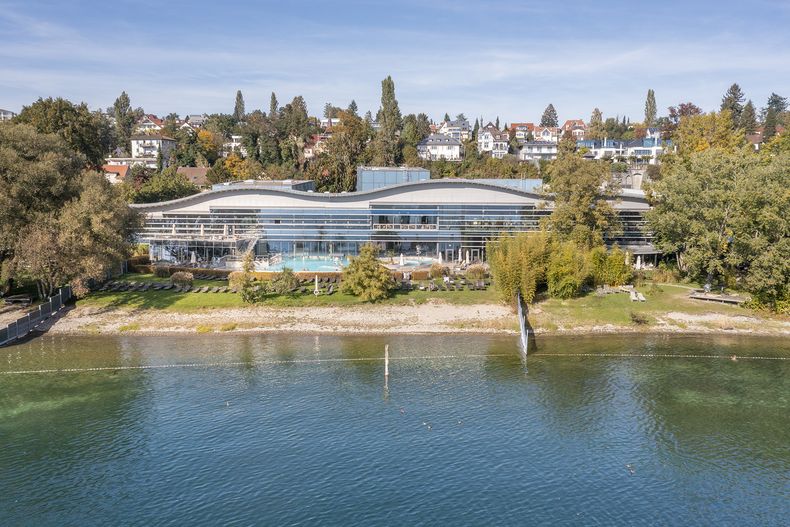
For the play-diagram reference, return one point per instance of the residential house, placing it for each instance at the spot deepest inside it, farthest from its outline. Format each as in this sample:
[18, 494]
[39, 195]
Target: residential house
[547, 133]
[115, 173]
[491, 139]
[195, 175]
[637, 152]
[6, 115]
[328, 123]
[234, 145]
[439, 146]
[537, 150]
[522, 130]
[458, 129]
[576, 128]
[315, 145]
[196, 120]
[145, 151]
[149, 123]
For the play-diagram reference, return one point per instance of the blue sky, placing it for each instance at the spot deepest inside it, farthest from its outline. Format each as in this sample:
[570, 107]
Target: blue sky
[497, 58]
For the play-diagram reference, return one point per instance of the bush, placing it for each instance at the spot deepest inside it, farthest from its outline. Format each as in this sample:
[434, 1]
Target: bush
[236, 279]
[438, 271]
[366, 278]
[476, 272]
[567, 271]
[639, 319]
[666, 273]
[285, 281]
[518, 264]
[162, 271]
[181, 279]
[610, 268]
[141, 249]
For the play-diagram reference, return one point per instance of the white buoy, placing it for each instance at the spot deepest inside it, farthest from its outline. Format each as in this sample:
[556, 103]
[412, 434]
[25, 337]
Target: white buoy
[386, 360]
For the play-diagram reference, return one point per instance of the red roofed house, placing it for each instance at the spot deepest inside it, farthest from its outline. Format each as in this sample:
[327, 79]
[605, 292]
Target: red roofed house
[522, 130]
[115, 173]
[149, 123]
[576, 127]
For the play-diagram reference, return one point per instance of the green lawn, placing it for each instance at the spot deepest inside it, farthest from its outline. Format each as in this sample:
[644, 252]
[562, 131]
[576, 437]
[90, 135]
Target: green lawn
[187, 302]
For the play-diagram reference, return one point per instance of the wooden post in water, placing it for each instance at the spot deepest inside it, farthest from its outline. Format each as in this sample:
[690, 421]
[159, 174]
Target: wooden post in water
[386, 361]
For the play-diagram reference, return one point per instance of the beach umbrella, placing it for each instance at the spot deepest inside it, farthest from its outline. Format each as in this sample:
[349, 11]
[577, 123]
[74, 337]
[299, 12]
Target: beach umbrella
[316, 285]
[638, 262]
[467, 256]
[401, 260]
[193, 259]
[440, 257]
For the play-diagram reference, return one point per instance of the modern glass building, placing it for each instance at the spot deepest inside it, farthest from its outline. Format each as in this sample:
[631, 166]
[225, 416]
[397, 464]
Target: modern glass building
[371, 178]
[448, 217]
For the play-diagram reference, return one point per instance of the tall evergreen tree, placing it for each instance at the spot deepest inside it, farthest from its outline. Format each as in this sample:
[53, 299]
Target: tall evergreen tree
[733, 101]
[777, 102]
[496, 123]
[749, 118]
[651, 110]
[238, 108]
[549, 117]
[390, 121]
[352, 108]
[368, 117]
[475, 129]
[596, 129]
[769, 125]
[124, 121]
[273, 107]
[446, 117]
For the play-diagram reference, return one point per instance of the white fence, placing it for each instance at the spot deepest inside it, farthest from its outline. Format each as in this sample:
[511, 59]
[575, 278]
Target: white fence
[24, 325]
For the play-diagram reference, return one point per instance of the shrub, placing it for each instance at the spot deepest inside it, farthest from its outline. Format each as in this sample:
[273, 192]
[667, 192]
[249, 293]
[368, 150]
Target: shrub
[567, 271]
[285, 281]
[438, 270]
[366, 278]
[476, 272]
[162, 271]
[181, 279]
[236, 279]
[666, 273]
[141, 249]
[518, 264]
[638, 318]
[610, 268]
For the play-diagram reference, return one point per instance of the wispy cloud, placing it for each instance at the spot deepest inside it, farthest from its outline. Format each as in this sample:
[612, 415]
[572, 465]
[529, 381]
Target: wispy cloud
[437, 67]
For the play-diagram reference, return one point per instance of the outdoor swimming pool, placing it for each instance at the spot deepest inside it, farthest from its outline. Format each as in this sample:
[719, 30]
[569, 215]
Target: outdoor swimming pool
[316, 264]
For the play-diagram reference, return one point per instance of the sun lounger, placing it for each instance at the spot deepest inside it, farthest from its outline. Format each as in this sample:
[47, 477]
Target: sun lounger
[641, 297]
[634, 298]
[223, 289]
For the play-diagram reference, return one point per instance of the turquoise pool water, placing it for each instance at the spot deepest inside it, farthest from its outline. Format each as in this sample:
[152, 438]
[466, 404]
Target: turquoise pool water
[319, 265]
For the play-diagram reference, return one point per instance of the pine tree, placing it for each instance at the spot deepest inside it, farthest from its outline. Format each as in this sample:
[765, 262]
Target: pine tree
[391, 122]
[777, 102]
[733, 101]
[497, 122]
[368, 117]
[475, 129]
[650, 108]
[329, 110]
[596, 129]
[769, 125]
[446, 117]
[273, 107]
[238, 109]
[549, 117]
[352, 108]
[749, 118]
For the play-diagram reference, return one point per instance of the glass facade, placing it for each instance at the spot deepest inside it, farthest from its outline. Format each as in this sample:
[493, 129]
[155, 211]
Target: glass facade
[454, 231]
[371, 178]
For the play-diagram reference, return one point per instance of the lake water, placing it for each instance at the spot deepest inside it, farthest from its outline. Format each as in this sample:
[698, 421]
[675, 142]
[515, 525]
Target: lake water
[300, 430]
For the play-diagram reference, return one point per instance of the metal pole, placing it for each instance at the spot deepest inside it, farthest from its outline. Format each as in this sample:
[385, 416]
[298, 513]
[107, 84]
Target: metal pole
[386, 360]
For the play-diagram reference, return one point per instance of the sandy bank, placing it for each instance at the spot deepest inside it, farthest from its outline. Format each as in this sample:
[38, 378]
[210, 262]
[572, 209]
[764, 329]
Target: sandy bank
[431, 317]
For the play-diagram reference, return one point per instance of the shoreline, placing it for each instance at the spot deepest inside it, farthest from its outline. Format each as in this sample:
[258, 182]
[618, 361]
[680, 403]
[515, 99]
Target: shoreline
[432, 318]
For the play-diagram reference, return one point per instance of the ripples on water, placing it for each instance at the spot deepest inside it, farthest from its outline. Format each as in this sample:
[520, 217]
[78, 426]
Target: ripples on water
[300, 430]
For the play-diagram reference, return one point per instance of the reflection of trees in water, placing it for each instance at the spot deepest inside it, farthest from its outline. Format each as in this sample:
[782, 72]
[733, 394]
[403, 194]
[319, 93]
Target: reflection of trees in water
[711, 409]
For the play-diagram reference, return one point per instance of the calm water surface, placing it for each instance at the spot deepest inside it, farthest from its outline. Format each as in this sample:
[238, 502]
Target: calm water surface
[300, 430]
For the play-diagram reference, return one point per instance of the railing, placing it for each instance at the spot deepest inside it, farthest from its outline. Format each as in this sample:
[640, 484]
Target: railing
[24, 325]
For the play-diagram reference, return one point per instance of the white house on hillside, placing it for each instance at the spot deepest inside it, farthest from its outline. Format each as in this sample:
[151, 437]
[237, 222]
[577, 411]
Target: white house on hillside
[537, 150]
[6, 115]
[438, 146]
[234, 145]
[149, 146]
[491, 139]
[149, 123]
[576, 128]
[547, 133]
[458, 129]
